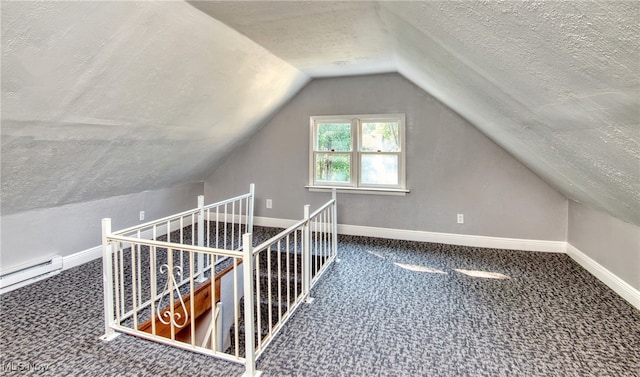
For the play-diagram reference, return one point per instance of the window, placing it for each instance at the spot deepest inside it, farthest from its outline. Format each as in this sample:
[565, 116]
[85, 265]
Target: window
[358, 152]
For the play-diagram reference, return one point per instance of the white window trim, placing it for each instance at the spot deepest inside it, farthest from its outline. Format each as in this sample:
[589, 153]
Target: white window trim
[355, 186]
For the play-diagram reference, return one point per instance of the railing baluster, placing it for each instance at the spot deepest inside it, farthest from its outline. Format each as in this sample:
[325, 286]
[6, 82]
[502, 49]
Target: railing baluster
[201, 256]
[217, 226]
[279, 281]
[134, 285]
[315, 248]
[233, 225]
[192, 299]
[240, 215]
[322, 237]
[326, 232]
[208, 220]
[236, 305]
[209, 259]
[225, 227]
[154, 285]
[121, 284]
[251, 199]
[295, 264]
[170, 288]
[334, 220]
[258, 285]
[269, 306]
[330, 230]
[180, 241]
[246, 223]
[323, 233]
[139, 272]
[306, 255]
[288, 254]
[214, 293]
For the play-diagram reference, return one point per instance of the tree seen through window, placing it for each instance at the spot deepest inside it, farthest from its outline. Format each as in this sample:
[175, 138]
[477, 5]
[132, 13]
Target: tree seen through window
[358, 152]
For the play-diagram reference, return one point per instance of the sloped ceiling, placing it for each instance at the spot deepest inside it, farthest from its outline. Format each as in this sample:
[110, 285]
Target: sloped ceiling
[107, 98]
[101, 99]
[556, 84]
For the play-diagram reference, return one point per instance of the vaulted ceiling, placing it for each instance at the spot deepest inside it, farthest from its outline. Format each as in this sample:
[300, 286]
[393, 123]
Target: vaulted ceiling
[108, 98]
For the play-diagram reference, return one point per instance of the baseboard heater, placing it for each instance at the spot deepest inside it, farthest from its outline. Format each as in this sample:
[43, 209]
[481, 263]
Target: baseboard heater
[19, 276]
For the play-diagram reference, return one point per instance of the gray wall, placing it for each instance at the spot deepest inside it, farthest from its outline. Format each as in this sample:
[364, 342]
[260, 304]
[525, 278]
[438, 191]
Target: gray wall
[451, 167]
[72, 228]
[614, 244]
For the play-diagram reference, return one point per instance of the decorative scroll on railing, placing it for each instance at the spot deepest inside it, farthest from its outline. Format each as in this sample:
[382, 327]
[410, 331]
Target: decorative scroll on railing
[162, 285]
[172, 316]
[173, 307]
[168, 284]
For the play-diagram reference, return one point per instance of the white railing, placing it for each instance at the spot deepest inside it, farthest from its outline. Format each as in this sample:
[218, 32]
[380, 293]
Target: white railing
[219, 225]
[162, 285]
[288, 265]
[154, 295]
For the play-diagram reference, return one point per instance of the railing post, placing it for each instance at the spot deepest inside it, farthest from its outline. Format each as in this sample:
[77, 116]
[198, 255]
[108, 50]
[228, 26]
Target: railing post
[107, 282]
[200, 268]
[247, 276]
[306, 257]
[252, 191]
[334, 220]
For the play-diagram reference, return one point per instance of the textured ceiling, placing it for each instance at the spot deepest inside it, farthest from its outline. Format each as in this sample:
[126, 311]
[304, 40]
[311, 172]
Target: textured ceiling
[556, 84]
[105, 98]
[320, 38]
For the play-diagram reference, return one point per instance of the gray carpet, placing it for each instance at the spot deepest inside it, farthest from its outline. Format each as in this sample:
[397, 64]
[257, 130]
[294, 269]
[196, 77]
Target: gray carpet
[389, 308]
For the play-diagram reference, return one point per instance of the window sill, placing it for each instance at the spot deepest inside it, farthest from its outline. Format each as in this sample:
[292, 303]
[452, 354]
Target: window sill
[359, 190]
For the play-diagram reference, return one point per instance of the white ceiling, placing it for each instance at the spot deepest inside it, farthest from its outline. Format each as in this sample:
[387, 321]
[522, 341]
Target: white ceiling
[106, 98]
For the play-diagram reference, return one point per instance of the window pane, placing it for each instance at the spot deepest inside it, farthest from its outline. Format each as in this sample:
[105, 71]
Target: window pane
[379, 169]
[334, 137]
[333, 167]
[380, 137]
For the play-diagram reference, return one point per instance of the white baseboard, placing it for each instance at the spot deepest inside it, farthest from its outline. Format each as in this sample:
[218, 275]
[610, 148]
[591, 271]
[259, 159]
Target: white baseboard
[455, 239]
[81, 257]
[272, 222]
[618, 285]
[423, 236]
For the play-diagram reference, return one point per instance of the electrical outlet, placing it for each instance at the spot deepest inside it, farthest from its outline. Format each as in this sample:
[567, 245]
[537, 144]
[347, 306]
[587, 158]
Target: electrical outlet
[141, 215]
[460, 218]
[269, 203]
